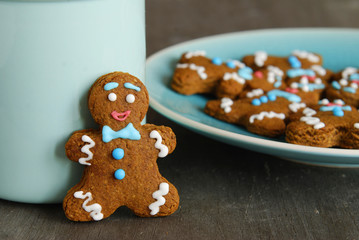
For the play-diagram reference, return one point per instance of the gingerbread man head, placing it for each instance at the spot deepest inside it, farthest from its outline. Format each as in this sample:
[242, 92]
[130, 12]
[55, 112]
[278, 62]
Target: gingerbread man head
[113, 98]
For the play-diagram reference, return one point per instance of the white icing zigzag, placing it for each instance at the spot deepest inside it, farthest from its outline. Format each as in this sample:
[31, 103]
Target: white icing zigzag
[304, 54]
[163, 148]
[310, 120]
[255, 93]
[226, 104]
[319, 69]
[234, 76]
[94, 209]
[200, 69]
[294, 107]
[86, 149]
[260, 57]
[195, 54]
[270, 114]
[158, 195]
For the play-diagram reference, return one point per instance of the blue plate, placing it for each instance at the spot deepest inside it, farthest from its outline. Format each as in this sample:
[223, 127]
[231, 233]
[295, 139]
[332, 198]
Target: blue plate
[339, 48]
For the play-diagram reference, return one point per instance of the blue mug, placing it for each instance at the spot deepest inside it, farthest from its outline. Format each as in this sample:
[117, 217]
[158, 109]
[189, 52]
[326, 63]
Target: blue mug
[51, 51]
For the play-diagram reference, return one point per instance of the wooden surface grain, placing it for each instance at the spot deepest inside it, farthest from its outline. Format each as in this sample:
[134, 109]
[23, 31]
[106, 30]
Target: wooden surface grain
[226, 192]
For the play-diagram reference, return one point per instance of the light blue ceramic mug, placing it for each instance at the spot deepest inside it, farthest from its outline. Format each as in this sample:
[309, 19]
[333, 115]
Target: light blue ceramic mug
[51, 51]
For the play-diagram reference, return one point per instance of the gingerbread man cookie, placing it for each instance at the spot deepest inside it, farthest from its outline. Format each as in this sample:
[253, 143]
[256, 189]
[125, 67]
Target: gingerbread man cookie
[195, 73]
[328, 124]
[120, 158]
[298, 59]
[263, 114]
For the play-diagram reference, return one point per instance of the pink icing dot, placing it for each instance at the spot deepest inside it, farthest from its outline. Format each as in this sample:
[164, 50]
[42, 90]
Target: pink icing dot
[258, 74]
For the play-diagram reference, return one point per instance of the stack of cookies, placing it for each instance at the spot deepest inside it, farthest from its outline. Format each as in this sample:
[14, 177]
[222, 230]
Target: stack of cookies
[272, 96]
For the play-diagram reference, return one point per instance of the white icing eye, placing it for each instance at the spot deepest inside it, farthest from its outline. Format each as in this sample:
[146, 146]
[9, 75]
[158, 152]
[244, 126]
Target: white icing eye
[112, 97]
[130, 98]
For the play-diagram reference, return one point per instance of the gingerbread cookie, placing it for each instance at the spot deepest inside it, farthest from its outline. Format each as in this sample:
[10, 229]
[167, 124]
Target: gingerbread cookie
[120, 158]
[345, 86]
[328, 124]
[195, 73]
[309, 84]
[264, 114]
[298, 59]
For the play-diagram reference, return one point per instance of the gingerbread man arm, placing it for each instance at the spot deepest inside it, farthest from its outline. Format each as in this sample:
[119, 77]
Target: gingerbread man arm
[165, 138]
[79, 148]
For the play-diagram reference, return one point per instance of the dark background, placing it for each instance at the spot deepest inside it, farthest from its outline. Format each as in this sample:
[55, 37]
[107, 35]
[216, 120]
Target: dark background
[226, 192]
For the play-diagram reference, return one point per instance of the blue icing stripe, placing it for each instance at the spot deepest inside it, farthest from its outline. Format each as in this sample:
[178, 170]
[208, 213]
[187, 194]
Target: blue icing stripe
[110, 86]
[349, 89]
[294, 62]
[300, 72]
[131, 86]
[289, 96]
[331, 108]
[312, 86]
[354, 76]
[246, 73]
[336, 85]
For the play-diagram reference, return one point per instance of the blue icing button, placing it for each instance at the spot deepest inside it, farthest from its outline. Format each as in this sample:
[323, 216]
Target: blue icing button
[336, 85]
[110, 86]
[300, 72]
[294, 62]
[246, 73]
[217, 61]
[256, 102]
[118, 153]
[289, 96]
[264, 99]
[272, 97]
[231, 64]
[119, 174]
[337, 111]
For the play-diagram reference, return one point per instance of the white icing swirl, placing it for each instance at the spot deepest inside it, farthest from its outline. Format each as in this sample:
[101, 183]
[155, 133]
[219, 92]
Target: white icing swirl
[260, 57]
[306, 55]
[234, 76]
[200, 69]
[94, 209]
[319, 69]
[195, 54]
[270, 114]
[294, 107]
[163, 148]
[158, 195]
[226, 104]
[86, 149]
[255, 93]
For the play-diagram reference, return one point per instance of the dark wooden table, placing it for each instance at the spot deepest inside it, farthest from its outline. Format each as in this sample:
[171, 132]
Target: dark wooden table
[232, 193]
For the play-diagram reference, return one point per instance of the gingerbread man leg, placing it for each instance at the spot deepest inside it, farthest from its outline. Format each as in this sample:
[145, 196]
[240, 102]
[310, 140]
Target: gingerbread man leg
[164, 201]
[83, 204]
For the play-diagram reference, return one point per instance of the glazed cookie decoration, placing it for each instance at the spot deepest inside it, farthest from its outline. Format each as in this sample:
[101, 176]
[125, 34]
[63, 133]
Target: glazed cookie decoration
[120, 158]
[196, 73]
[327, 124]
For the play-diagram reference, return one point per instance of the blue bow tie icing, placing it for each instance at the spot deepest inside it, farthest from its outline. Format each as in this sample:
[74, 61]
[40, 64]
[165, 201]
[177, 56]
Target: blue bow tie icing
[129, 132]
